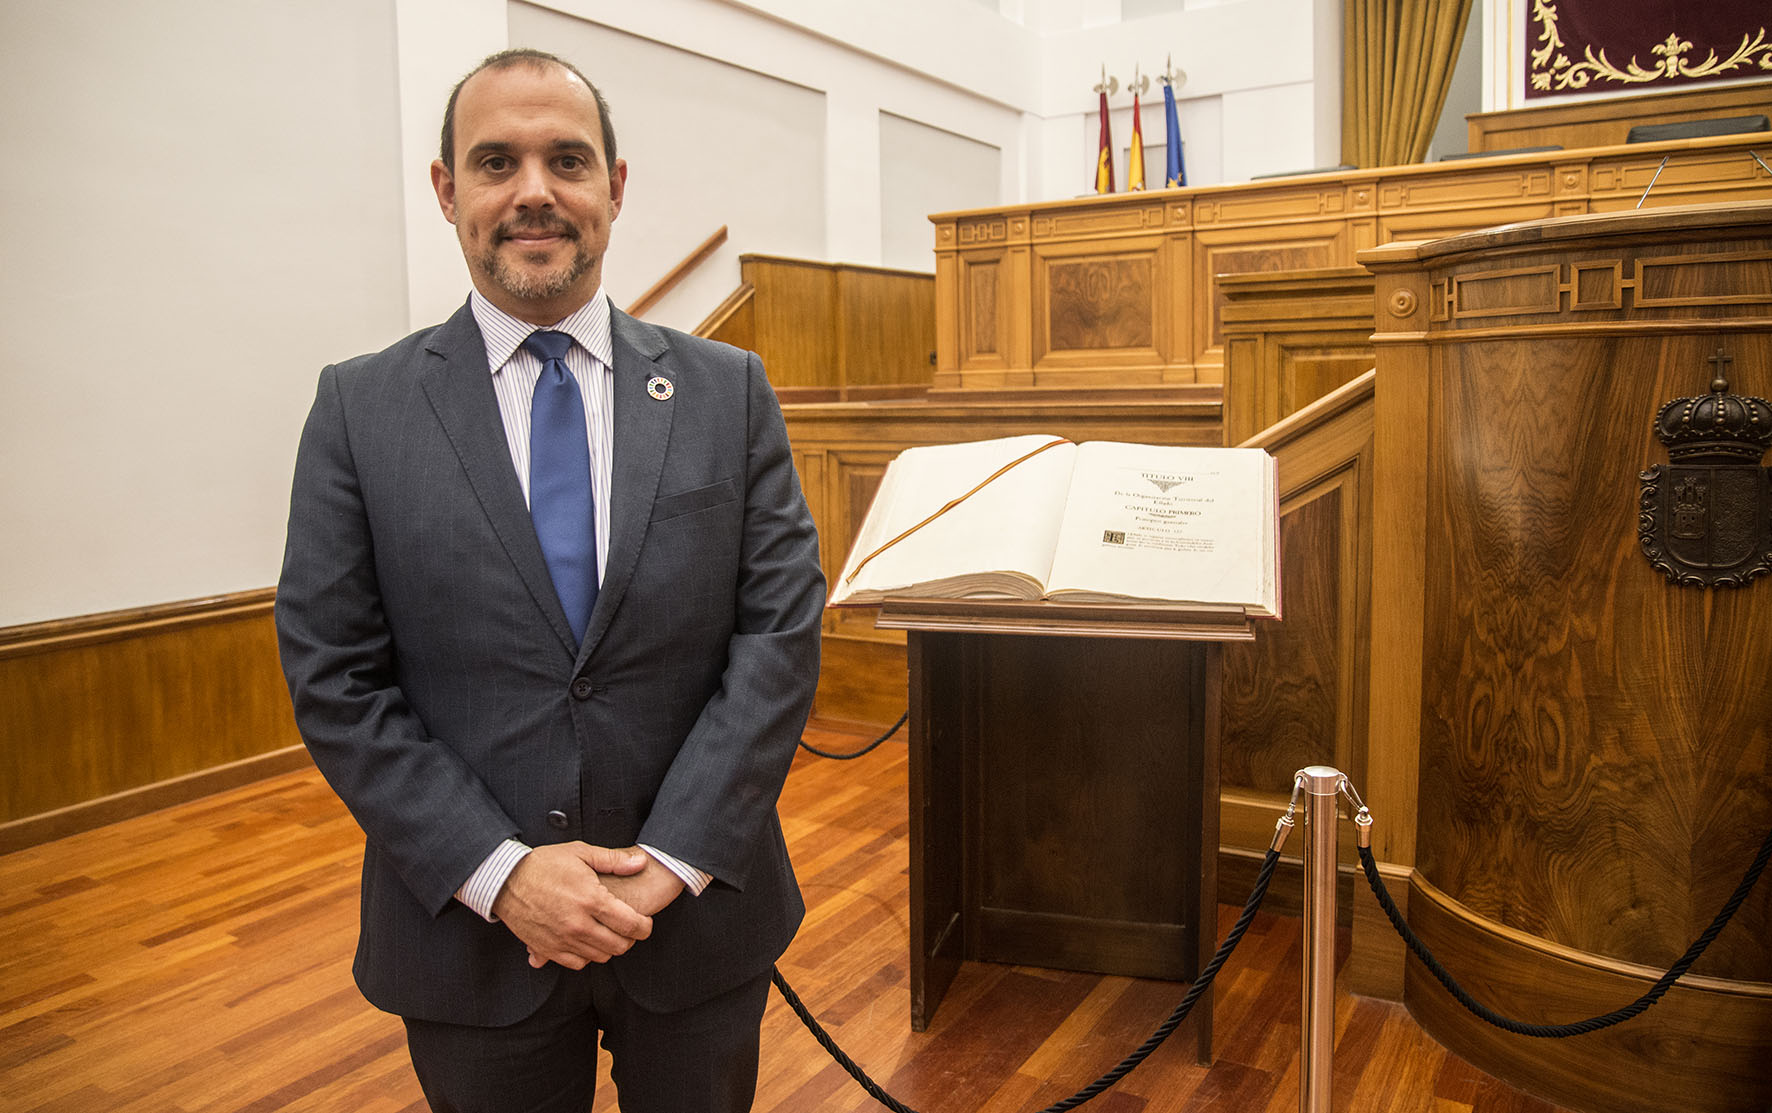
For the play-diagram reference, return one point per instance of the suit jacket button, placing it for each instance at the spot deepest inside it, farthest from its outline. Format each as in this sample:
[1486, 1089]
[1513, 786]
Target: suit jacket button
[557, 820]
[582, 688]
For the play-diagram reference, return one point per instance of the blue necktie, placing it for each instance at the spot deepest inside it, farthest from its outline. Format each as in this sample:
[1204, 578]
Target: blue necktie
[560, 480]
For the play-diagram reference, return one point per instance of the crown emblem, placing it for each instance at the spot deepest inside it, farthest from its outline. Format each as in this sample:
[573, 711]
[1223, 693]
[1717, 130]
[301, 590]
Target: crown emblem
[1705, 518]
[1716, 428]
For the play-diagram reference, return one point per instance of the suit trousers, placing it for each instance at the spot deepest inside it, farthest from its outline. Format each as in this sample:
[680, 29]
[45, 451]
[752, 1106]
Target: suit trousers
[702, 1059]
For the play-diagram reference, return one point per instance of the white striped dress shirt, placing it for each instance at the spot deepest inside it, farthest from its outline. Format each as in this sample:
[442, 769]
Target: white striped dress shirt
[591, 360]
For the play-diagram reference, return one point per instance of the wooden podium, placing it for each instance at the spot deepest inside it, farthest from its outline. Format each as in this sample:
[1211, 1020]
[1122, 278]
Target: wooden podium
[1064, 789]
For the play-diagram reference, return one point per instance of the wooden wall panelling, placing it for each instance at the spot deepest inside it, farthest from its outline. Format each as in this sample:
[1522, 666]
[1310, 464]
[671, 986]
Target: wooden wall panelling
[796, 320]
[111, 715]
[949, 319]
[1228, 251]
[1096, 310]
[734, 320]
[988, 322]
[1296, 696]
[1291, 337]
[1714, 1028]
[990, 303]
[1604, 123]
[1698, 172]
[886, 332]
[1433, 224]
[1308, 221]
[1399, 435]
[833, 331]
[1596, 738]
[1180, 367]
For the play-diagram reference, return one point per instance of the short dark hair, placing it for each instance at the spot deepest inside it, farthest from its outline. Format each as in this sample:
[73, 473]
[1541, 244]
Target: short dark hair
[535, 59]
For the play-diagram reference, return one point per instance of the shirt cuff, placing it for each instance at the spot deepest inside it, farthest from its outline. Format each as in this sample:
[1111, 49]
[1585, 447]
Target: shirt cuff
[693, 879]
[482, 887]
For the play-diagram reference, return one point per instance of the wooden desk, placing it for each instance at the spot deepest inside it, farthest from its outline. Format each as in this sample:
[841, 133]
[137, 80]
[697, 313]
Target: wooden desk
[1064, 790]
[1118, 296]
[1590, 742]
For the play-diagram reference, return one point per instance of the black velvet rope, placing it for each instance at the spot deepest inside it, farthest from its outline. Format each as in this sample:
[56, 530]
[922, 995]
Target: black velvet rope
[867, 749]
[1121, 1070]
[1579, 1027]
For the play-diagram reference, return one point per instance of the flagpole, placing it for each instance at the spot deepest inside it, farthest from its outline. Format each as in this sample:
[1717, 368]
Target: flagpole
[1104, 151]
[1175, 172]
[1135, 154]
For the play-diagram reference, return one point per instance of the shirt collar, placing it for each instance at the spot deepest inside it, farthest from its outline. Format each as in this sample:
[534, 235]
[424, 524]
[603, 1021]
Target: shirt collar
[504, 334]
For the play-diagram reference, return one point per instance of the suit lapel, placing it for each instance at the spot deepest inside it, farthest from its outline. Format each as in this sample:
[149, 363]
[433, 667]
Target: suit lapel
[458, 384]
[642, 431]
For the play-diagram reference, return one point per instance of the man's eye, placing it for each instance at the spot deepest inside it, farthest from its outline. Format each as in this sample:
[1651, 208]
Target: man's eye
[496, 164]
[572, 163]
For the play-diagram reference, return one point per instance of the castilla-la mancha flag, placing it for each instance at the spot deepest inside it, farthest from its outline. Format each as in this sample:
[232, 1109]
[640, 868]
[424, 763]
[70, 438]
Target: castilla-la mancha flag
[1135, 160]
[1104, 154]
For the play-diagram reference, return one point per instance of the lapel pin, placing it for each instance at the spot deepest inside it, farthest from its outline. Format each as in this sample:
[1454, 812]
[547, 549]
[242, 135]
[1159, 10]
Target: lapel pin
[660, 388]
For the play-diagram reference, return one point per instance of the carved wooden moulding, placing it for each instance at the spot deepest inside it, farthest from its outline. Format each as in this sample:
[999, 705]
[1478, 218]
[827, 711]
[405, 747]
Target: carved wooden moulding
[1706, 517]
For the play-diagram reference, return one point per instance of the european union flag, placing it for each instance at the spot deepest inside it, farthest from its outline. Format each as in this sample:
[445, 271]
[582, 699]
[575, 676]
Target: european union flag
[1176, 175]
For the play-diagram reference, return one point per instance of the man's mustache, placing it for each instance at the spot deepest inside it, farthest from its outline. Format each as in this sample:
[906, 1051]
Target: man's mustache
[546, 225]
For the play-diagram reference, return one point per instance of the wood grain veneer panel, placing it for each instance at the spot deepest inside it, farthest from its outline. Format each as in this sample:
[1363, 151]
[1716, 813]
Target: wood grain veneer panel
[795, 321]
[1698, 1050]
[1609, 733]
[1291, 337]
[1313, 365]
[1319, 220]
[1435, 223]
[739, 328]
[983, 296]
[1052, 801]
[886, 327]
[833, 331]
[1095, 303]
[1297, 695]
[1219, 251]
[98, 706]
[1605, 122]
[1594, 754]
[1282, 693]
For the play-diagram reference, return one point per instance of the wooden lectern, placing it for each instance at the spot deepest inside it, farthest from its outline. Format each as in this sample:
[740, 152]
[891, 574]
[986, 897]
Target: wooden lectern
[1064, 789]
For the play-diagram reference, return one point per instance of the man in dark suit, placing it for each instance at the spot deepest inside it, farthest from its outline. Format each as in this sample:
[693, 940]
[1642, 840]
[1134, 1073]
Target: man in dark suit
[560, 698]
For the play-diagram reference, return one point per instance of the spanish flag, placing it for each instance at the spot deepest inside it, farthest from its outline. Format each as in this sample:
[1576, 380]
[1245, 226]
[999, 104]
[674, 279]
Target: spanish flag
[1104, 155]
[1135, 160]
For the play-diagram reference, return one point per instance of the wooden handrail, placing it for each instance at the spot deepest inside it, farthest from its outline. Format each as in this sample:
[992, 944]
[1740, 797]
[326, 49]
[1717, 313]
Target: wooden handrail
[1342, 398]
[677, 274]
[723, 312]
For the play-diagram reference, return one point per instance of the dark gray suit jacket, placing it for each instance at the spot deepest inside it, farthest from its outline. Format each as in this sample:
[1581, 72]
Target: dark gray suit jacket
[436, 683]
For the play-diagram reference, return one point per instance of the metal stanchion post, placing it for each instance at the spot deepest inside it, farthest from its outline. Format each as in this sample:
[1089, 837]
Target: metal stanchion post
[1317, 1049]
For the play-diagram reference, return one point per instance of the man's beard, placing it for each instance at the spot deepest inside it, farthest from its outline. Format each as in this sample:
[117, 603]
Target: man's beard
[529, 284]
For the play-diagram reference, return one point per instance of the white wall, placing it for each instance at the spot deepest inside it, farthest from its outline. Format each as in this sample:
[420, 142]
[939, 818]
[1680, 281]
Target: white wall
[1261, 92]
[707, 143]
[207, 200]
[926, 170]
[200, 207]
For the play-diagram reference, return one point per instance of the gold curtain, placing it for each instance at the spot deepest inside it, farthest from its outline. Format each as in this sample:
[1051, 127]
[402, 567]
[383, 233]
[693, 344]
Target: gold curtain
[1396, 67]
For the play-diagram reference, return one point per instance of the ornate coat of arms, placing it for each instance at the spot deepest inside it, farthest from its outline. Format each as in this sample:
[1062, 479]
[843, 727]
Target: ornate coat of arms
[1706, 517]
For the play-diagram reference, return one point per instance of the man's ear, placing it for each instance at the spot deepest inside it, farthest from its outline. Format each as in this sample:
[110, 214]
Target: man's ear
[618, 185]
[444, 183]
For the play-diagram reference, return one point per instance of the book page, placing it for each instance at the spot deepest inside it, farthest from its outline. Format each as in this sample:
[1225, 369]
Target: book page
[1156, 522]
[1010, 525]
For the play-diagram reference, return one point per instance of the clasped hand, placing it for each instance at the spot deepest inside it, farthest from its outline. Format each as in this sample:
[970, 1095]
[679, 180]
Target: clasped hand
[573, 903]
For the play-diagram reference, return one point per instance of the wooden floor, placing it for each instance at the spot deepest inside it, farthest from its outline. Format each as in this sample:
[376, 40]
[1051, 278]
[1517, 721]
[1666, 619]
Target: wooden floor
[198, 959]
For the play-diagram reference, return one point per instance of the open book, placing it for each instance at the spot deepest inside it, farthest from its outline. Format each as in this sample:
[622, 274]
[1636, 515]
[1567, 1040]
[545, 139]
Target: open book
[1102, 522]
